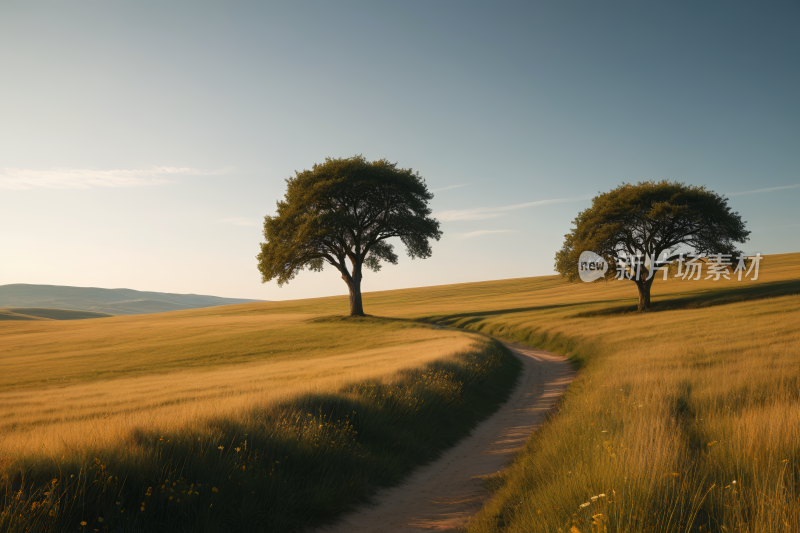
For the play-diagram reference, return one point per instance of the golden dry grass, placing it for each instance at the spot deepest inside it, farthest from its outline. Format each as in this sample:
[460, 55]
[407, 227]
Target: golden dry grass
[66, 385]
[671, 406]
[227, 421]
[779, 274]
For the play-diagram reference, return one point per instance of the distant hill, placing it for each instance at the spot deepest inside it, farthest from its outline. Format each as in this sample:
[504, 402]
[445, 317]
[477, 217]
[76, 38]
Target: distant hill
[49, 298]
[43, 313]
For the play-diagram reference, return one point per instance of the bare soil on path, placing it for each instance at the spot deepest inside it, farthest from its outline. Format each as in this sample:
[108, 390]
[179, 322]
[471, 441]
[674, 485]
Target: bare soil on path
[444, 494]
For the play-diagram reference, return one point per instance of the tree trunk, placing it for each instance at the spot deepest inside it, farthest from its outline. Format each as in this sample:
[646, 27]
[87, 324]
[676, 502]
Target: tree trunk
[356, 308]
[644, 294]
[354, 285]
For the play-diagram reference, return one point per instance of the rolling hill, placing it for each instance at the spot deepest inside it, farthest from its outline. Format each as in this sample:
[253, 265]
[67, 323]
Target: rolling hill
[44, 313]
[142, 394]
[279, 415]
[95, 300]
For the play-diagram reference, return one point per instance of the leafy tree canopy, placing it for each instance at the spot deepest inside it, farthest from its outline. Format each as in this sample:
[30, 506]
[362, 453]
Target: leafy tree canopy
[343, 211]
[650, 219]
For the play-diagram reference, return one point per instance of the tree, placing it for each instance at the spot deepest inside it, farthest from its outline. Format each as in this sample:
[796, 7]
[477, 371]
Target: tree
[647, 220]
[345, 210]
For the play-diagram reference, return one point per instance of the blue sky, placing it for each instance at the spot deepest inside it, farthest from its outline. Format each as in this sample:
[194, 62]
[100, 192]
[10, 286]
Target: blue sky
[141, 143]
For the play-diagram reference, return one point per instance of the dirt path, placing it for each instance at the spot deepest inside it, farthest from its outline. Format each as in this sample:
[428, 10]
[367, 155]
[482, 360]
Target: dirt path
[444, 494]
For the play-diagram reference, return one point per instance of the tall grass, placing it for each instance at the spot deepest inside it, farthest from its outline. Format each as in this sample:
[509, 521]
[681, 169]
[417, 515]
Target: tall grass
[65, 386]
[274, 468]
[681, 420]
[671, 407]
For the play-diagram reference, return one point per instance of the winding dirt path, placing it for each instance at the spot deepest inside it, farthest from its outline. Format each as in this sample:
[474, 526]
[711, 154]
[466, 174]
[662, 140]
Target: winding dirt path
[444, 494]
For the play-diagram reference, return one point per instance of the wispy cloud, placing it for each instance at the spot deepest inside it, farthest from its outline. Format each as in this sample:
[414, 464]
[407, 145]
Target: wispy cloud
[238, 221]
[485, 232]
[770, 189]
[80, 178]
[450, 187]
[482, 213]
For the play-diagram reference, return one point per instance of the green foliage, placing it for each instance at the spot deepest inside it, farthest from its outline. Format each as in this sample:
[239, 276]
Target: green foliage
[345, 210]
[651, 218]
[287, 467]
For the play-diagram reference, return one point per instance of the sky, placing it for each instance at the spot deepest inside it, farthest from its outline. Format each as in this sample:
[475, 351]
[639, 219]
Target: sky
[142, 143]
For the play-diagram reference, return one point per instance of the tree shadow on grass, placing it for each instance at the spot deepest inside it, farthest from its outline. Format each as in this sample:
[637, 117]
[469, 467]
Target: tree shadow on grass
[367, 320]
[709, 298]
[477, 316]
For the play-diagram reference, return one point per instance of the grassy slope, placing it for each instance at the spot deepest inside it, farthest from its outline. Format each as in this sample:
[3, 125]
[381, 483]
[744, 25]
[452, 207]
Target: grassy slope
[44, 313]
[290, 417]
[58, 380]
[671, 408]
[9, 314]
[702, 367]
[778, 276]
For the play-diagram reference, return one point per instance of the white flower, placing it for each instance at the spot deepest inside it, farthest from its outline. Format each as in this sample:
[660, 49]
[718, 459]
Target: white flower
[587, 504]
[602, 495]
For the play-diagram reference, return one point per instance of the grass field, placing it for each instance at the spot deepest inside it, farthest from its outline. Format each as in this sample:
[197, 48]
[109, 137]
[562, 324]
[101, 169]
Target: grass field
[670, 408]
[59, 380]
[257, 419]
[683, 419]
